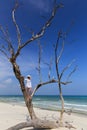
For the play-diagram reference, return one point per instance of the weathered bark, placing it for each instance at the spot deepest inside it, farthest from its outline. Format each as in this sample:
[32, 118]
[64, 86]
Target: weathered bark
[21, 126]
[22, 85]
[60, 75]
[57, 59]
[41, 124]
[62, 105]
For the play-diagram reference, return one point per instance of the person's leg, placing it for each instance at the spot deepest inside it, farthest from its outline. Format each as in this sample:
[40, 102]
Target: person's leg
[27, 92]
[30, 92]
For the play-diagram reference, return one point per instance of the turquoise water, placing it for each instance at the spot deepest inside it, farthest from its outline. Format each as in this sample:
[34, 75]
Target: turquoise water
[74, 103]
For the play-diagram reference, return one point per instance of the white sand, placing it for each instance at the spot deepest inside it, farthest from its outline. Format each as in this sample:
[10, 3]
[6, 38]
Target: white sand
[14, 114]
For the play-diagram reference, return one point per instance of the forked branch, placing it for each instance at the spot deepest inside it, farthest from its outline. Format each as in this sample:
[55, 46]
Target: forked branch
[3, 52]
[75, 68]
[48, 82]
[67, 67]
[6, 38]
[45, 26]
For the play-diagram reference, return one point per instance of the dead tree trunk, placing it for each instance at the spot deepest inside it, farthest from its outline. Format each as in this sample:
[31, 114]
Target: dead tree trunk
[62, 104]
[60, 75]
[57, 58]
[22, 85]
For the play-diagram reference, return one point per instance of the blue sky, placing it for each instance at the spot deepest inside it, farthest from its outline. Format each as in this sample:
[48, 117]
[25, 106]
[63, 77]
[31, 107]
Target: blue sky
[28, 16]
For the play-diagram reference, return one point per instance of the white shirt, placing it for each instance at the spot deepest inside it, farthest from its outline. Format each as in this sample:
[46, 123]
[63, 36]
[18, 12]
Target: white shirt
[28, 83]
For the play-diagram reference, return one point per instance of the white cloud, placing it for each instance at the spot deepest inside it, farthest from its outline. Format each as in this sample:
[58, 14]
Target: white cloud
[8, 81]
[27, 66]
[5, 83]
[42, 5]
[2, 85]
[5, 68]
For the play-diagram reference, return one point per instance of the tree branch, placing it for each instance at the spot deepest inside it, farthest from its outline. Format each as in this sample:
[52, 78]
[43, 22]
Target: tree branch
[47, 82]
[4, 53]
[56, 48]
[7, 40]
[16, 25]
[58, 59]
[68, 66]
[50, 67]
[40, 33]
[43, 29]
[21, 126]
[75, 68]
[39, 60]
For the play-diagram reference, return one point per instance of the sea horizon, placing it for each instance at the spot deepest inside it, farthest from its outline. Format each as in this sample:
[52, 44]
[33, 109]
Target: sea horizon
[41, 95]
[74, 103]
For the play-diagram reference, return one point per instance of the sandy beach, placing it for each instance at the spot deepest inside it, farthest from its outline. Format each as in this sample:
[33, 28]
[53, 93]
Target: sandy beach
[13, 114]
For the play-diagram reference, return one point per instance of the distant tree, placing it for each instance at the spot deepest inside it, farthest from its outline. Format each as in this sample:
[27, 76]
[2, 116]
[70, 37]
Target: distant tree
[9, 51]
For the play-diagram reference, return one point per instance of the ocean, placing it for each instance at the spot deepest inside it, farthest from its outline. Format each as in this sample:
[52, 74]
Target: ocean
[77, 104]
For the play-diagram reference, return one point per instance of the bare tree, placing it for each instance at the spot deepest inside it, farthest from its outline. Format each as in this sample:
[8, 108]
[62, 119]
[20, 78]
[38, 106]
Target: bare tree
[12, 55]
[58, 79]
[9, 51]
[61, 36]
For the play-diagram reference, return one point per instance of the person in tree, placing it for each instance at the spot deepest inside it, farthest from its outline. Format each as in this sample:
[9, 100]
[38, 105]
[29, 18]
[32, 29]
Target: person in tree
[28, 87]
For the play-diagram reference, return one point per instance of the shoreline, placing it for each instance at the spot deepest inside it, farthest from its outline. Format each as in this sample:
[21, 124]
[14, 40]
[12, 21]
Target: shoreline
[11, 114]
[72, 112]
[75, 104]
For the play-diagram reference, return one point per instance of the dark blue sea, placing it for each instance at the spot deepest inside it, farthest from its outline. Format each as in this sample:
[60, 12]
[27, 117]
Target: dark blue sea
[77, 104]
